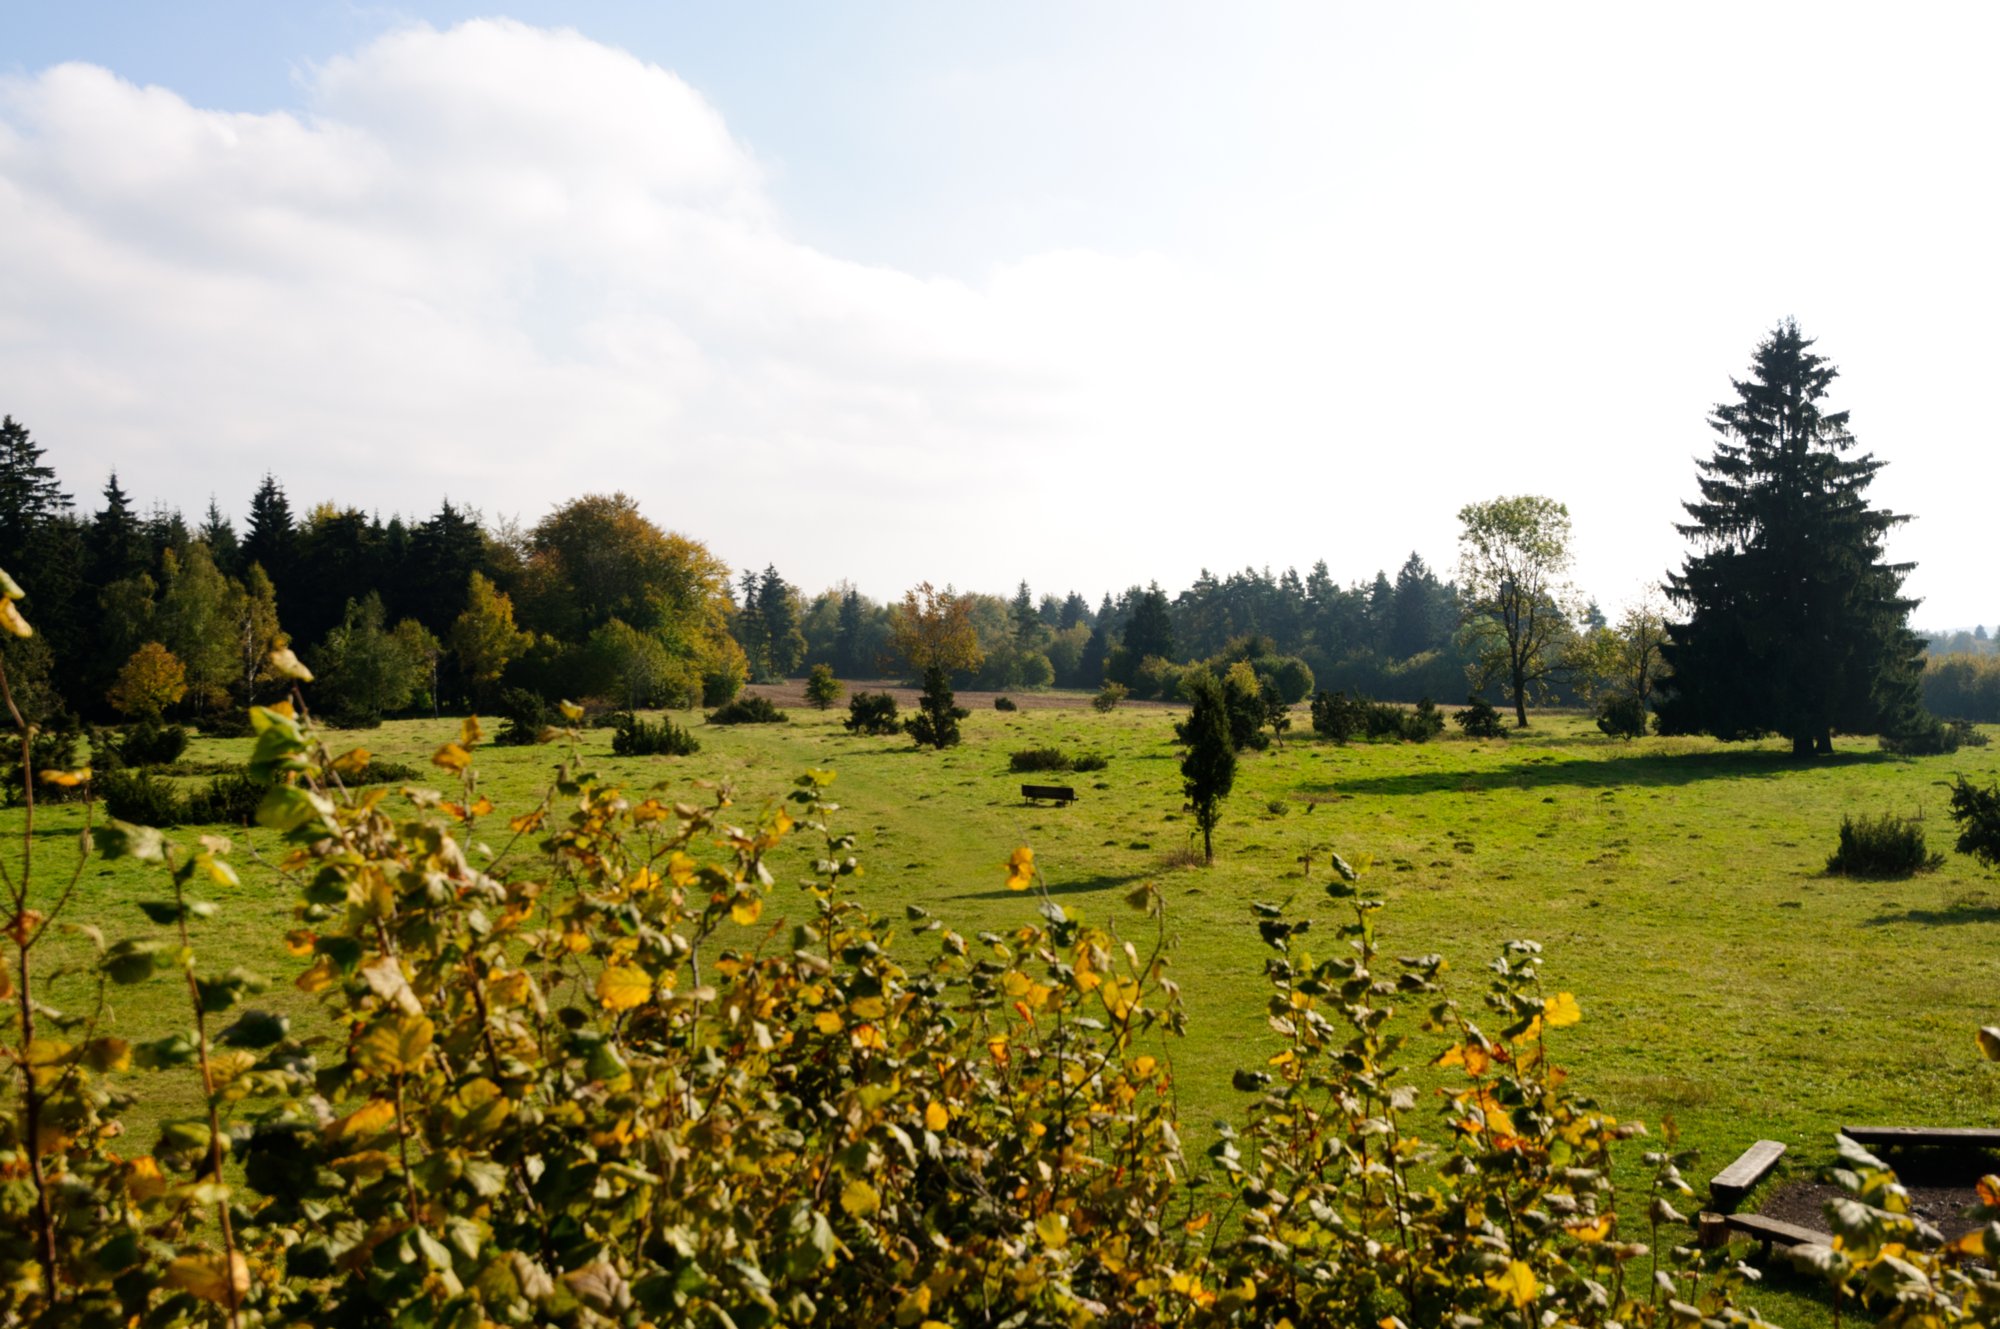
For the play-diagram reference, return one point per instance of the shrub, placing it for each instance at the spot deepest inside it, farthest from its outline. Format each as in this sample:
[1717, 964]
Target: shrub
[1243, 702]
[1479, 719]
[822, 688]
[1380, 719]
[1884, 846]
[1039, 759]
[1932, 737]
[1108, 697]
[936, 722]
[150, 743]
[1977, 812]
[748, 709]
[1622, 715]
[1336, 716]
[230, 800]
[1424, 723]
[1004, 704]
[872, 713]
[633, 737]
[1158, 677]
[140, 797]
[525, 718]
[380, 772]
[1086, 762]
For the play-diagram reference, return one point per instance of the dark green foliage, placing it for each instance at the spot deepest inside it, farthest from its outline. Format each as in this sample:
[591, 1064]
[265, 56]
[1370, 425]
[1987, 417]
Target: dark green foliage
[1795, 622]
[140, 797]
[872, 713]
[1085, 762]
[152, 743]
[822, 688]
[1977, 812]
[1150, 630]
[1291, 676]
[1108, 697]
[748, 709]
[1243, 698]
[1039, 759]
[1479, 719]
[52, 750]
[524, 715]
[634, 737]
[1208, 768]
[1337, 716]
[936, 722]
[1882, 847]
[1004, 704]
[1929, 736]
[1424, 723]
[231, 800]
[1963, 684]
[381, 772]
[1622, 715]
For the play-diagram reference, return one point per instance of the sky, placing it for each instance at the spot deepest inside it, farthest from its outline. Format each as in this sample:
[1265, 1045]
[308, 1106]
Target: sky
[1090, 295]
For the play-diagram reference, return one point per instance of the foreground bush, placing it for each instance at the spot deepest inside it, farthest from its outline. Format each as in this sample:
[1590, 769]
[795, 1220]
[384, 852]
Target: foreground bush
[634, 737]
[1880, 847]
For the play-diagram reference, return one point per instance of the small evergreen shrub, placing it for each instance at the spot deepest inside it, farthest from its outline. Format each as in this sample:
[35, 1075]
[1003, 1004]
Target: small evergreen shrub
[524, 716]
[1004, 704]
[151, 743]
[1622, 716]
[140, 797]
[1479, 719]
[634, 737]
[935, 724]
[1977, 812]
[822, 688]
[1380, 719]
[1108, 697]
[52, 751]
[382, 772]
[872, 713]
[1424, 723]
[1884, 846]
[1931, 737]
[1039, 759]
[1337, 716]
[748, 709]
[230, 800]
[1089, 761]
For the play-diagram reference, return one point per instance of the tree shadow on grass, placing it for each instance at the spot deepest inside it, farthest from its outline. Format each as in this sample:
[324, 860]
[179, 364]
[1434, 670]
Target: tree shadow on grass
[1637, 771]
[1081, 886]
[1971, 913]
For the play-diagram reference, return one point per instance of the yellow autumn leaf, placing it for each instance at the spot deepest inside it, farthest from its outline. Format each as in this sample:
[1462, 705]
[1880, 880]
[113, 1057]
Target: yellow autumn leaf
[11, 620]
[746, 910]
[1560, 1011]
[571, 711]
[869, 1008]
[1021, 869]
[1053, 1229]
[1989, 1043]
[321, 976]
[143, 1180]
[452, 757]
[827, 1022]
[371, 1118]
[1591, 1229]
[64, 779]
[208, 1277]
[9, 588]
[1144, 1066]
[936, 1118]
[395, 1044]
[859, 1199]
[622, 986]
[468, 731]
[352, 762]
[1516, 1283]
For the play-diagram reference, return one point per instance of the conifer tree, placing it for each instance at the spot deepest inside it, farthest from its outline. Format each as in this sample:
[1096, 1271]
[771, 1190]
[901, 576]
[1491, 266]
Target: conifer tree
[1794, 623]
[118, 545]
[270, 537]
[29, 494]
[1208, 768]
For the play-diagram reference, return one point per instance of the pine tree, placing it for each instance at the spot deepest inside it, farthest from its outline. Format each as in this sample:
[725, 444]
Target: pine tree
[1208, 768]
[29, 495]
[270, 537]
[1150, 631]
[847, 640]
[218, 532]
[118, 545]
[1794, 622]
[778, 606]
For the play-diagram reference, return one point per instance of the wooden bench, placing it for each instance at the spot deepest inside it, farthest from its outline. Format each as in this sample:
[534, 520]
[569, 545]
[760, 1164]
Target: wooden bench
[1741, 1177]
[1061, 793]
[1936, 1137]
[1773, 1232]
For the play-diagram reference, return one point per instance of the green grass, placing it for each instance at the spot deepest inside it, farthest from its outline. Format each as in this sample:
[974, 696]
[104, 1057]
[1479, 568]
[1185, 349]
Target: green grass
[1677, 885]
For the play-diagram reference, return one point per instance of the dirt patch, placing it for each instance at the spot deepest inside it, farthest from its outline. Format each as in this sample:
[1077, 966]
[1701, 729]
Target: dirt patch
[1804, 1203]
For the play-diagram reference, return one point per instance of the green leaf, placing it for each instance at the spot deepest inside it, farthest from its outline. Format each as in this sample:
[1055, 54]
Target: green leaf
[286, 808]
[131, 961]
[255, 1029]
[394, 1045]
[171, 1052]
[164, 912]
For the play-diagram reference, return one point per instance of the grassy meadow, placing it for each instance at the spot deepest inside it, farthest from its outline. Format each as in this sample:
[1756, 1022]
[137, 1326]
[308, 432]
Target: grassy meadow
[1676, 884]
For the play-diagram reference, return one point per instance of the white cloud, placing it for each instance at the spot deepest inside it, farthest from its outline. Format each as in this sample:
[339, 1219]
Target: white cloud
[513, 265]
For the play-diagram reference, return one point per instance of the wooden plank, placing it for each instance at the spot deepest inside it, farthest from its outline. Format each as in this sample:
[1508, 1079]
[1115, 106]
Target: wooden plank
[1772, 1231]
[1060, 793]
[1741, 1177]
[1942, 1137]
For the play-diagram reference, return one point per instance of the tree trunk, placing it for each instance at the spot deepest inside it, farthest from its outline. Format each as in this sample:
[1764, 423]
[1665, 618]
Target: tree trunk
[1823, 745]
[1802, 745]
[1520, 698]
[1207, 848]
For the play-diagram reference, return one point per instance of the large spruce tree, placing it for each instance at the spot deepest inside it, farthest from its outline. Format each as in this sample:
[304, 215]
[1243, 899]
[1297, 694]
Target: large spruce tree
[1792, 621]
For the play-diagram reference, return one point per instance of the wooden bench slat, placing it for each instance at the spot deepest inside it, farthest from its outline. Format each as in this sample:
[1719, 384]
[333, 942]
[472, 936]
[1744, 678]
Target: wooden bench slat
[1730, 1185]
[1061, 793]
[1776, 1231]
[1943, 1136]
